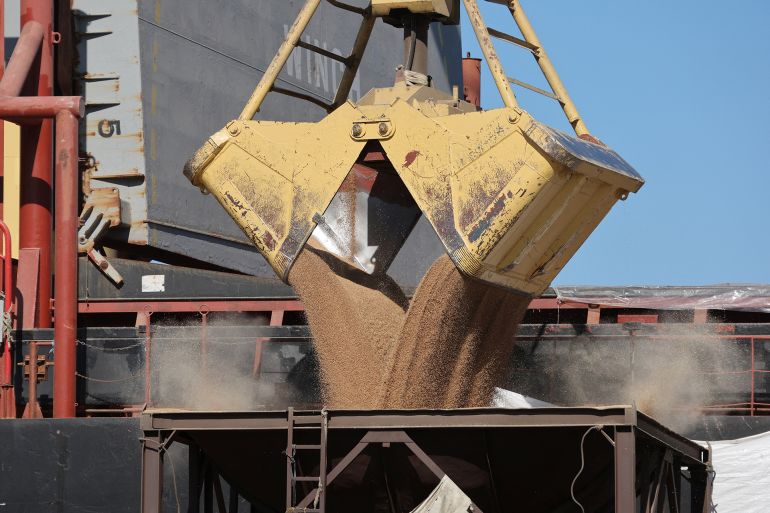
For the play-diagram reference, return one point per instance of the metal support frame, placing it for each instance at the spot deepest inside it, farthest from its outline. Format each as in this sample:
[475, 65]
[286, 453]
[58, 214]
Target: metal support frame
[371, 437]
[66, 247]
[35, 212]
[659, 483]
[153, 450]
[32, 409]
[531, 43]
[748, 401]
[668, 451]
[292, 40]
[7, 396]
[317, 497]
[280, 59]
[625, 469]
[276, 319]
[548, 69]
[488, 49]
[203, 478]
[32, 65]
[147, 358]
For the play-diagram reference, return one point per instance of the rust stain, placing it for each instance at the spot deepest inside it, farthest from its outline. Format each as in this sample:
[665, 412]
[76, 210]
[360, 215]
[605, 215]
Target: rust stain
[269, 241]
[244, 210]
[410, 158]
[154, 99]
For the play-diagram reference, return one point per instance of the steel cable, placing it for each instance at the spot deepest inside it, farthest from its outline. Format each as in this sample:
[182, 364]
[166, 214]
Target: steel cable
[98, 380]
[582, 466]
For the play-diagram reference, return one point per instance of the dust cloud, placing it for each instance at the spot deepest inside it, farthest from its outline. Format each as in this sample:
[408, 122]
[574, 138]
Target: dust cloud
[186, 377]
[666, 376]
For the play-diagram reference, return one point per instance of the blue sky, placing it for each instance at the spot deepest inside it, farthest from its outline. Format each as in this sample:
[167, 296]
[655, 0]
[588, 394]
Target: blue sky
[680, 90]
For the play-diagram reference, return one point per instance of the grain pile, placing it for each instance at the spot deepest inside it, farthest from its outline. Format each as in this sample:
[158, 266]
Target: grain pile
[447, 350]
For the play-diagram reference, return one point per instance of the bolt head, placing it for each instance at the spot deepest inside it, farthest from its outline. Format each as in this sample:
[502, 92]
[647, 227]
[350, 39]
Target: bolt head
[383, 128]
[358, 130]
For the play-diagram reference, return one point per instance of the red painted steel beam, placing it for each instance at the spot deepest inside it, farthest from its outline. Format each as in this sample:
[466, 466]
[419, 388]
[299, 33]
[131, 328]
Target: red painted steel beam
[35, 108]
[23, 58]
[35, 213]
[189, 306]
[7, 396]
[66, 276]
[249, 305]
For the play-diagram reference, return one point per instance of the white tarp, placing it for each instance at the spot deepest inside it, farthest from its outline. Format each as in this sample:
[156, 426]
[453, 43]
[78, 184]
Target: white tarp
[445, 498]
[750, 298]
[506, 399]
[742, 466]
[742, 481]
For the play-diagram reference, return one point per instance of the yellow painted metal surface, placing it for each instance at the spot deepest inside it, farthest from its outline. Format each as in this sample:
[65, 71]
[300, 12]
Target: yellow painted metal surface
[11, 187]
[273, 178]
[434, 7]
[510, 199]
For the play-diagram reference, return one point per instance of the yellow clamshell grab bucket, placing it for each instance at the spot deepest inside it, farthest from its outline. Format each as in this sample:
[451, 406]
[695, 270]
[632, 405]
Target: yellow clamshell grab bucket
[510, 198]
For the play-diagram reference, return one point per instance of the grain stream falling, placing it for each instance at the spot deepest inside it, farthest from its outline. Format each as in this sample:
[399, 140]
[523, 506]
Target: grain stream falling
[448, 348]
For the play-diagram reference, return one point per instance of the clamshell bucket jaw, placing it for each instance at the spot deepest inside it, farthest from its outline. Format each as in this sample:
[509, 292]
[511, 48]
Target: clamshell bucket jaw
[511, 199]
[276, 179]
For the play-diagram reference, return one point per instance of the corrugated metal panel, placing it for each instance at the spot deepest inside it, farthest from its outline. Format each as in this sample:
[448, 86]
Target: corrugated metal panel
[160, 77]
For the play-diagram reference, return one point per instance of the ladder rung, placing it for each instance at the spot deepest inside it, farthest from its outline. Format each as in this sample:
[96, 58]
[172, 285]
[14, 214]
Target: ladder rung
[513, 39]
[346, 7]
[303, 510]
[306, 478]
[323, 51]
[308, 447]
[533, 88]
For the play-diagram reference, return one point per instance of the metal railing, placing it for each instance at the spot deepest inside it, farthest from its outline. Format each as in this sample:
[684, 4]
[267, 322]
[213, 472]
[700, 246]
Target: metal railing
[747, 391]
